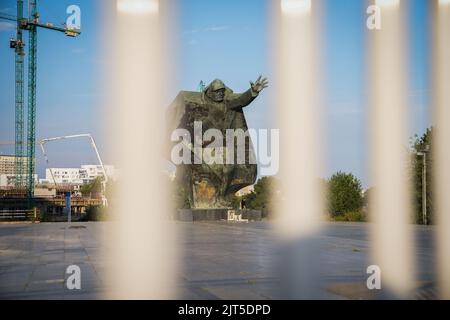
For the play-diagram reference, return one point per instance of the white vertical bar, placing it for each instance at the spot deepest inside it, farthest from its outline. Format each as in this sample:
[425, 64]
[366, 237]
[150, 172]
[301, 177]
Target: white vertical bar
[390, 208]
[299, 115]
[441, 97]
[142, 242]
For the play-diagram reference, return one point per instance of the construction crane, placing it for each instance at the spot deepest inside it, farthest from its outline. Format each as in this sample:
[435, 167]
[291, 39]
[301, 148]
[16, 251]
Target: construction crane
[30, 24]
[93, 145]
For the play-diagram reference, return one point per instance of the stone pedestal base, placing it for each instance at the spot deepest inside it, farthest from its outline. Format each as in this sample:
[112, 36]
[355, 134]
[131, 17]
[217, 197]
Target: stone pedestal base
[192, 215]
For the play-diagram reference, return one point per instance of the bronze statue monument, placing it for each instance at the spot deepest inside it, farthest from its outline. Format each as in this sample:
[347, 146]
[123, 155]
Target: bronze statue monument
[206, 184]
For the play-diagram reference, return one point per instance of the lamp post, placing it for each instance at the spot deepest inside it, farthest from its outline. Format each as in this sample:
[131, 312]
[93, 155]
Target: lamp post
[423, 154]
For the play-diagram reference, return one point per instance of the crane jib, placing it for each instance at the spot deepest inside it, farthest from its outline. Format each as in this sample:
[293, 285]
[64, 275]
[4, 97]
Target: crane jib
[24, 170]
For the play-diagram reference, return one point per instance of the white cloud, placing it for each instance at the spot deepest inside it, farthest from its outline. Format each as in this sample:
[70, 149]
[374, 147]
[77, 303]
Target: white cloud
[208, 29]
[193, 42]
[342, 108]
[5, 26]
[215, 29]
[6, 10]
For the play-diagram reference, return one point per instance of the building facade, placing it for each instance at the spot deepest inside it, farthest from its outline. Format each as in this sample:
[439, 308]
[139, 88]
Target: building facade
[7, 171]
[77, 176]
[91, 172]
[9, 180]
[8, 164]
[63, 176]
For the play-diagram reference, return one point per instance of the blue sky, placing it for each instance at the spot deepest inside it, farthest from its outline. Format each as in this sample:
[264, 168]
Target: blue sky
[218, 39]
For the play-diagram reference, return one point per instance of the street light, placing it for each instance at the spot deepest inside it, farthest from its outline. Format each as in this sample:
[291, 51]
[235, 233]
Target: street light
[423, 154]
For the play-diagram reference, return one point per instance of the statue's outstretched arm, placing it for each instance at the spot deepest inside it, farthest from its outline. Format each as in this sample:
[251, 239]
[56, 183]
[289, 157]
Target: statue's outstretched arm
[241, 100]
[244, 99]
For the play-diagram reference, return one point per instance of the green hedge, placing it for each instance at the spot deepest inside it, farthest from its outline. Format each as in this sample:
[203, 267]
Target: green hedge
[352, 216]
[95, 213]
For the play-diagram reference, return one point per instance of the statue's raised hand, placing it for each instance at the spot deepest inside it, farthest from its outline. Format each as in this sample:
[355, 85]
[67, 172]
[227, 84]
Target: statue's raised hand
[260, 84]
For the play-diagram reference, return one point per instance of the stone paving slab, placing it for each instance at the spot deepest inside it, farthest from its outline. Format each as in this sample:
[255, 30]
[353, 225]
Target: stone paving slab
[220, 260]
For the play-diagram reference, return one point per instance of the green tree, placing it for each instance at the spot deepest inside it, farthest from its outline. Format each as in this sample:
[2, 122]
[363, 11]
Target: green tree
[95, 186]
[344, 194]
[421, 144]
[236, 201]
[264, 194]
[367, 197]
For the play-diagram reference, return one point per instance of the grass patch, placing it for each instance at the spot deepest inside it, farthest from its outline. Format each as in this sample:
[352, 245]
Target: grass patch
[353, 216]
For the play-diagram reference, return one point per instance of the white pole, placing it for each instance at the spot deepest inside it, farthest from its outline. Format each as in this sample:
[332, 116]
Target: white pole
[143, 260]
[391, 236]
[441, 110]
[299, 114]
[424, 189]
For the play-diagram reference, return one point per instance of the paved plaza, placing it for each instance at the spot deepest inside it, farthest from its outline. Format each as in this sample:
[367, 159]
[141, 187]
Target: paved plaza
[220, 261]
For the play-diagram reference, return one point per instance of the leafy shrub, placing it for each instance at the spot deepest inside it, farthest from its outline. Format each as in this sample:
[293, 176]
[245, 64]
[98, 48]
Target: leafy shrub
[95, 213]
[344, 194]
[351, 216]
